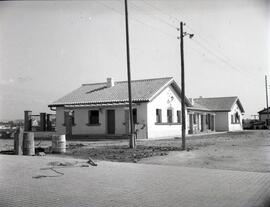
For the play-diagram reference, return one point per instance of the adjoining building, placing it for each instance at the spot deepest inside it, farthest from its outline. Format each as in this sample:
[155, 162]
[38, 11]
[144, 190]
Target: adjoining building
[264, 115]
[228, 111]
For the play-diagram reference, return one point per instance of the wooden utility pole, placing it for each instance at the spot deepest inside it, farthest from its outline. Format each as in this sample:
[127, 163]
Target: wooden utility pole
[183, 87]
[267, 108]
[132, 143]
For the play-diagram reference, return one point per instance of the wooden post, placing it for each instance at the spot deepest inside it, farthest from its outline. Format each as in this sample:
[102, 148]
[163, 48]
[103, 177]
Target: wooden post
[132, 142]
[42, 121]
[27, 121]
[18, 141]
[183, 87]
[68, 124]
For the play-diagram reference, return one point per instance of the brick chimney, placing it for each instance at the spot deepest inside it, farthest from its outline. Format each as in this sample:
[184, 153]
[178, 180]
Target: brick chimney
[110, 82]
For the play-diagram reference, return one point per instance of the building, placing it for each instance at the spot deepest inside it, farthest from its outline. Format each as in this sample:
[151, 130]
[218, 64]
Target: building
[200, 119]
[102, 109]
[263, 116]
[228, 112]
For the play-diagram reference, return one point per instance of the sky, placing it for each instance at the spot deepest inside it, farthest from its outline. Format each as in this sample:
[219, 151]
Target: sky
[49, 48]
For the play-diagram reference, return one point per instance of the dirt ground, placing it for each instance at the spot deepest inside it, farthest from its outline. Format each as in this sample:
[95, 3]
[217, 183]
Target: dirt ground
[245, 151]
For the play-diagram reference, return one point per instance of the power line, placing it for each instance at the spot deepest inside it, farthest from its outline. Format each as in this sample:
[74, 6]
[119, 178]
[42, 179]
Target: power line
[160, 10]
[137, 20]
[225, 59]
[222, 60]
[163, 21]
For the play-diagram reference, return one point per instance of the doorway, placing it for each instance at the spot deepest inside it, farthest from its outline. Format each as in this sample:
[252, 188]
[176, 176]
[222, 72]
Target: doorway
[111, 121]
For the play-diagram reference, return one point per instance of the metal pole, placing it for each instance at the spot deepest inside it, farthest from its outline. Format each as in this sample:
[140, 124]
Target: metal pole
[267, 108]
[183, 87]
[132, 143]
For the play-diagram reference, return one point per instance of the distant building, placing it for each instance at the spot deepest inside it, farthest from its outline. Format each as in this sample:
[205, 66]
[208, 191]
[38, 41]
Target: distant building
[263, 116]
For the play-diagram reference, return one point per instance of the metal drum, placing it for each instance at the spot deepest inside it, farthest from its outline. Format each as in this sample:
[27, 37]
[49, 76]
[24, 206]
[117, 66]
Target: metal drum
[28, 143]
[59, 143]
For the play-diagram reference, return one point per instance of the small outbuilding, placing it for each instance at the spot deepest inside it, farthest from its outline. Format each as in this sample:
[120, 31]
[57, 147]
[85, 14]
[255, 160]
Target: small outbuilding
[228, 111]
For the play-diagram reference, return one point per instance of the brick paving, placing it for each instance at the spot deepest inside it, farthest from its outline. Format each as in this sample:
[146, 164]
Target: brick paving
[126, 184]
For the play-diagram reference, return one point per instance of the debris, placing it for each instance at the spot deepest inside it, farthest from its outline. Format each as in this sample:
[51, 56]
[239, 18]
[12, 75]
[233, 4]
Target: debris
[91, 162]
[41, 154]
[84, 165]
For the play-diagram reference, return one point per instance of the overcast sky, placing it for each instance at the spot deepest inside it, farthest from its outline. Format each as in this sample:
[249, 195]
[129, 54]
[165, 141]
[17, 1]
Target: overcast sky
[49, 48]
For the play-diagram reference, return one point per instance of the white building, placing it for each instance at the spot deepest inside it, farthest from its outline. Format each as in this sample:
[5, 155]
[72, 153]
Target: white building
[228, 112]
[102, 109]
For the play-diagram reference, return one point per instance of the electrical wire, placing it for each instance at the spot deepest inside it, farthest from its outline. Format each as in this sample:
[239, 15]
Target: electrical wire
[136, 19]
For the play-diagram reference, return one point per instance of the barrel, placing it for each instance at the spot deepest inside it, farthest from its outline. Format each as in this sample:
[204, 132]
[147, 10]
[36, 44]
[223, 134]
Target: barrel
[59, 143]
[18, 141]
[28, 143]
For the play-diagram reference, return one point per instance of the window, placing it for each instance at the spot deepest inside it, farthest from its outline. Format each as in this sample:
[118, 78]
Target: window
[179, 117]
[72, 115]
[93, 117]
[237, 118]
[169, 115]
[134, 111]
[158, 116]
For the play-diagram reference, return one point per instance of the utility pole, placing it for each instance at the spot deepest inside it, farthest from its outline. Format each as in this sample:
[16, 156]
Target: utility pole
[132, 143]
[267, 108]
[183, 96]
[183, 87]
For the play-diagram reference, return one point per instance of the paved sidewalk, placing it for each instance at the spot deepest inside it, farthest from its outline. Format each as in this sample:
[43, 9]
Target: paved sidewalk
[126, 184]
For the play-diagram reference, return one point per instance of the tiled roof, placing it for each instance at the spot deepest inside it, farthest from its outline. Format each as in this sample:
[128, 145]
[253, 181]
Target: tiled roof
[264, 111]
[218, 103]
[98, 93]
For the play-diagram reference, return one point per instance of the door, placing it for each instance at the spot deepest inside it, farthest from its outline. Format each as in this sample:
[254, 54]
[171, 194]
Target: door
[111, 121]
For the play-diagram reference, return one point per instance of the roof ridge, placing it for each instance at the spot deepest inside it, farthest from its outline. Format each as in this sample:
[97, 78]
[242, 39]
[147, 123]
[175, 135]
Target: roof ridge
[137, 80]
[217, 97]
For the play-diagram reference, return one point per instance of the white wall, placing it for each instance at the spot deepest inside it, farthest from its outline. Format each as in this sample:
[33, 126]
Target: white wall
[60, 129]
[238, 126]
[163, 101]
[222, 121]
[81, 120]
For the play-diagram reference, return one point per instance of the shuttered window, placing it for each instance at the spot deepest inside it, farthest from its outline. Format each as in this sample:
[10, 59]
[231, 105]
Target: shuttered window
[179, 117]
[169, 116]
[158, 116]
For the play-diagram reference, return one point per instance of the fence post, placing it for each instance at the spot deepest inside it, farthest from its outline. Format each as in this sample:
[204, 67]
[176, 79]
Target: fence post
[42, 121]
[27, 121]
[49, 124]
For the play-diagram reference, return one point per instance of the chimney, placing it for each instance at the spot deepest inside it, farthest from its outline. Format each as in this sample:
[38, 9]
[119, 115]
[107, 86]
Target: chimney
[110, 82]
[191, 101]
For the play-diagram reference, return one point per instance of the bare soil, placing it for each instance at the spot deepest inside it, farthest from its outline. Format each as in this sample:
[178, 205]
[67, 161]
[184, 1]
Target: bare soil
[245, 150]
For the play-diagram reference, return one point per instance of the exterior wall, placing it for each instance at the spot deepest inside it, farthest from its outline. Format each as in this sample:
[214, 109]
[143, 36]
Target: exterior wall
[197, 127]
[235, 126]
[166, 99]
[81, 120]
[60, 129]
[263, 117]
[222, 121]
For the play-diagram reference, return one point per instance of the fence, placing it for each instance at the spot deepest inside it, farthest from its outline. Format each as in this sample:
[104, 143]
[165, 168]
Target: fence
[42, 122]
